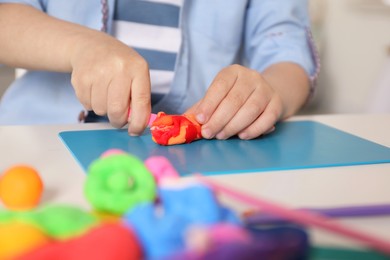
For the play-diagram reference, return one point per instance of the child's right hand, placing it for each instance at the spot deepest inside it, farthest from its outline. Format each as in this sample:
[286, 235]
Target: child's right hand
[110, 78]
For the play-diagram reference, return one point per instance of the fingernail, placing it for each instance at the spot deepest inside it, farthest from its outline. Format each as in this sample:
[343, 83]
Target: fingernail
[133, 134]
[243, 136]
[220, 136]
[206, 133]
[270, 130]
[200, 118]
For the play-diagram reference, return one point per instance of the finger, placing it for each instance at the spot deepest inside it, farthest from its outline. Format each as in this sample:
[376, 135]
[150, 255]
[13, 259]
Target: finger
[270, 130]
[99, 92]
[140, 104]
[248, 113]
[82, 85]
[229, 106]
[118, 101]
[217, 91]
[265, 122]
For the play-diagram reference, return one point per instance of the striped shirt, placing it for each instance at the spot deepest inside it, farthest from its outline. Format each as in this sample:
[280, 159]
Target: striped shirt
[151, 27]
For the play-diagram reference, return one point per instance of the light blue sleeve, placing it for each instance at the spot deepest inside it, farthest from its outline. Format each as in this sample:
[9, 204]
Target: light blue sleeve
[279, 31]
[34, 3]
[86, 12]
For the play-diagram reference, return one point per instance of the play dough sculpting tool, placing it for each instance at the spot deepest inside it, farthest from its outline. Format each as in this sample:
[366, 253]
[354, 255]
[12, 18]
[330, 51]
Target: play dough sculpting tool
[151, 118]
[257, 218]
[301, 217]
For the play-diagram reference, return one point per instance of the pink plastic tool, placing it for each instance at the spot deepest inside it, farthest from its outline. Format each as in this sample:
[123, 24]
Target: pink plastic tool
[301, 217]
[151, 118]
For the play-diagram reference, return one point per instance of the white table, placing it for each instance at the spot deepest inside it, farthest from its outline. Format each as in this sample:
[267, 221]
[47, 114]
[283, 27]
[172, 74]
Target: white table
[40, 147]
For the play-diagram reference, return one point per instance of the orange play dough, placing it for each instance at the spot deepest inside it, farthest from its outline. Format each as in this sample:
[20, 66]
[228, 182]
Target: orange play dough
[17, 238]
[21, 188]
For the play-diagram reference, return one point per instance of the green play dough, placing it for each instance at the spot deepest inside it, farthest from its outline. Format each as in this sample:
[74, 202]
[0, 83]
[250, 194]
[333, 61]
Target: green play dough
[57, 221]
[117, 183]
[63, 221]
[6, 216]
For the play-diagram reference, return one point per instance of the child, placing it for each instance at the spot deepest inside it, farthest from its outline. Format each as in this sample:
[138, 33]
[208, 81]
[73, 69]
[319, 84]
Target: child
[239, 66]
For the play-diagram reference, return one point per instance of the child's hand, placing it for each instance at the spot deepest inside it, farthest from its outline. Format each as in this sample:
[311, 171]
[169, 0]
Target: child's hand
[239, 101]
[109, 78]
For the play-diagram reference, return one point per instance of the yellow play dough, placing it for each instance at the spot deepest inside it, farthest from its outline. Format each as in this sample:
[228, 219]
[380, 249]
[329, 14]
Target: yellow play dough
[17, 238]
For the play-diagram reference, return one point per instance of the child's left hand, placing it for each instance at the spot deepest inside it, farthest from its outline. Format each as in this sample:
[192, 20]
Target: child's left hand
[238, 102]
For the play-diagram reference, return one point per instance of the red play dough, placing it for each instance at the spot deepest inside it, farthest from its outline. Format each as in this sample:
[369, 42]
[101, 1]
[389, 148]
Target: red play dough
[175, 129]
[109, 241]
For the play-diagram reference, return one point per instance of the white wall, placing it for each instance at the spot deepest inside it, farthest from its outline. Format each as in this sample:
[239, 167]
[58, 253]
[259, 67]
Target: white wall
[354, 43]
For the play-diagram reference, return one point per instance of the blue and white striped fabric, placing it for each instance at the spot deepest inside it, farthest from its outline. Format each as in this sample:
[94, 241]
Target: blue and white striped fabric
[151, 27]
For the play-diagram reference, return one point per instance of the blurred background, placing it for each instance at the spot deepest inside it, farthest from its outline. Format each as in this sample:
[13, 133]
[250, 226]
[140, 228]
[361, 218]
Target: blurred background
[353, 39]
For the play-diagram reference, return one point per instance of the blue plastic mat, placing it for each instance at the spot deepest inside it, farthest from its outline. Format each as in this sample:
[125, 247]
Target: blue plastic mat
[293, 145]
